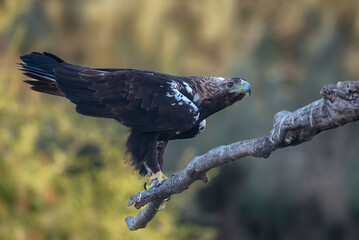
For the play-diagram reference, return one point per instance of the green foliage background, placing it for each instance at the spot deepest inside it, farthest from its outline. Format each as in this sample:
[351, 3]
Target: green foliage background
[62, 175]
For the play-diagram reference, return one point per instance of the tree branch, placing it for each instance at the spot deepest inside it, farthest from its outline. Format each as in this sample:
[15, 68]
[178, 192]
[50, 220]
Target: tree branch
[339, 105]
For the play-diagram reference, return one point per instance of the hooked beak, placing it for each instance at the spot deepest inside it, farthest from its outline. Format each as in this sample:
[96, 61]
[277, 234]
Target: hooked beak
[243, 87]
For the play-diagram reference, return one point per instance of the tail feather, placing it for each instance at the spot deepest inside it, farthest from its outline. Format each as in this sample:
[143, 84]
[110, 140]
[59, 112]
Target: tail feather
[49, 74]
[25, 67]
[40, 68]
[39, 77]
[36, 59]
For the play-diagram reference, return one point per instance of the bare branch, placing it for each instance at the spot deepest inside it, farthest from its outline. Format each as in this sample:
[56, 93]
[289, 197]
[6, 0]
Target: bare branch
[339, 105]
[144, 217]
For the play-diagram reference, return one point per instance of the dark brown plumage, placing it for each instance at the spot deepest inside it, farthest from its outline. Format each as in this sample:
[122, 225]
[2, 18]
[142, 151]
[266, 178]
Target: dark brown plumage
[156, 107]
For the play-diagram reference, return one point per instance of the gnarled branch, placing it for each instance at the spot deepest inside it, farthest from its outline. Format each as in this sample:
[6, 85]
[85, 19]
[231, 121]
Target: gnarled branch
[339, 105]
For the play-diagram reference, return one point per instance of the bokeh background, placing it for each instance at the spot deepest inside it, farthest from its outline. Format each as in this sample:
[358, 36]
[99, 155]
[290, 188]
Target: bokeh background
[62, 175]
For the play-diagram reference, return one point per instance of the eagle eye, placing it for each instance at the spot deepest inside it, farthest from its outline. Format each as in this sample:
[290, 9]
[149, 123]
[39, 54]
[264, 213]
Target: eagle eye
[230, 84]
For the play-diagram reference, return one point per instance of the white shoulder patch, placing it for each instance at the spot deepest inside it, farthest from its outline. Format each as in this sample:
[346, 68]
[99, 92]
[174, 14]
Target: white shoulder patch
[195, 97]
[188, 88]
[181, 99]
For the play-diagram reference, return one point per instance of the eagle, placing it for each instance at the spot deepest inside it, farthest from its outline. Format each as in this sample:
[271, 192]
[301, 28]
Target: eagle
[156, 107]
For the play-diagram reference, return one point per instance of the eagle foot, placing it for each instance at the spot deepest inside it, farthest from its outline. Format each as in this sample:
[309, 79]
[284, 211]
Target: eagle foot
[156, 178]
[163, 204]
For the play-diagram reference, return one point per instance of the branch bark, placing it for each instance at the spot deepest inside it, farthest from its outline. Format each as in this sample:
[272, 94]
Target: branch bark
[339, 106]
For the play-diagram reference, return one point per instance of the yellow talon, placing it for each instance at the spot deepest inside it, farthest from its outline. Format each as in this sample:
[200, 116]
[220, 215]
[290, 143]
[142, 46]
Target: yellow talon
[157, 177]
[162, 206]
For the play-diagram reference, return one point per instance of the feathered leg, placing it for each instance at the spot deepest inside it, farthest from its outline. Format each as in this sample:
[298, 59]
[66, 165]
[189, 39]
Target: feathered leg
[146, 155]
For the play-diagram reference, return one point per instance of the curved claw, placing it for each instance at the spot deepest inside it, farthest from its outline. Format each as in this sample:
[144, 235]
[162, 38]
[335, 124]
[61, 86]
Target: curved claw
[162, 206]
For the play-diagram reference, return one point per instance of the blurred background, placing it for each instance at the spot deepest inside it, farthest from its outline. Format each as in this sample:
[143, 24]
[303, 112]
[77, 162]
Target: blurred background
[62, 175]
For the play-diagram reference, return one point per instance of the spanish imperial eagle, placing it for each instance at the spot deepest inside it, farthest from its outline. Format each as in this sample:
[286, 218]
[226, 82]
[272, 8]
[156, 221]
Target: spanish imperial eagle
[156, 107]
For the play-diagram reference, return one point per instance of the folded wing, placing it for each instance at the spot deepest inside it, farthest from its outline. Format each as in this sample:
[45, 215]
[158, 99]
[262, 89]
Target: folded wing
[146, 101]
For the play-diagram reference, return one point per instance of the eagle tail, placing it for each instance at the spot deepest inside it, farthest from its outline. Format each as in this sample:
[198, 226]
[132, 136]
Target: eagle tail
[141, 149]
[39, 67]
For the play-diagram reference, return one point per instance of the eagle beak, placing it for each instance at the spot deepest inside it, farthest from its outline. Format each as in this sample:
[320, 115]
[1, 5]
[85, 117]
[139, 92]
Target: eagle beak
[244, 87]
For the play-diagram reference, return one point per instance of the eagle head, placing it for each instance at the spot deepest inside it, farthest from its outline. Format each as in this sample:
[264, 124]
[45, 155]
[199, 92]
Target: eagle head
[238, 85]
[221, 93]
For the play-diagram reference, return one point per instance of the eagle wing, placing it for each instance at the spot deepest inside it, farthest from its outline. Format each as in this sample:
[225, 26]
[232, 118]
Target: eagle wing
[143, 100]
